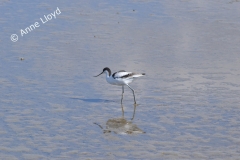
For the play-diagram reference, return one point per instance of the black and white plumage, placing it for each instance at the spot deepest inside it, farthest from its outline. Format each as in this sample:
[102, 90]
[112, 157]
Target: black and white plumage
[121, 78]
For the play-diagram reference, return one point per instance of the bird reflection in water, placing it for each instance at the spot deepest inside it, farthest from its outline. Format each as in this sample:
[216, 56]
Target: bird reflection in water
[121, 125]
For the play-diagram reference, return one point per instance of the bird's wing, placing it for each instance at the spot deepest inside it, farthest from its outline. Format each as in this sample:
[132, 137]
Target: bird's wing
[122, 74]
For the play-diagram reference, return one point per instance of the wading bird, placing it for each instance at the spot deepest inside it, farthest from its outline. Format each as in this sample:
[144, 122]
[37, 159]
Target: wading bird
[121, 78]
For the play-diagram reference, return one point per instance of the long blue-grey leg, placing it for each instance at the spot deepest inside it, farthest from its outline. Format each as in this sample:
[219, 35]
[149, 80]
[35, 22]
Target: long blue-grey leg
[122, 111]
[122, 93]
[133, 94]
[134, 111]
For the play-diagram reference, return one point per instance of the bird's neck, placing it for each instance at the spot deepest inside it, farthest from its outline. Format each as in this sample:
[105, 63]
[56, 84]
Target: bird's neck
[108, 75]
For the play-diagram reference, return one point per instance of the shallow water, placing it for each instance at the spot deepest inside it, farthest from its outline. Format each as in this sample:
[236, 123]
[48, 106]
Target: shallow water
[188, 102]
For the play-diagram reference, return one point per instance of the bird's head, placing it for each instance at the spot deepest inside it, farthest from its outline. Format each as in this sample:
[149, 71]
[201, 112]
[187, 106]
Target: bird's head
[105, 70]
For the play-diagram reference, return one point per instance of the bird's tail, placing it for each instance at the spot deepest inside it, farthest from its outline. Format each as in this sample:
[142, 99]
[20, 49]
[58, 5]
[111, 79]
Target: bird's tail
[138, 75]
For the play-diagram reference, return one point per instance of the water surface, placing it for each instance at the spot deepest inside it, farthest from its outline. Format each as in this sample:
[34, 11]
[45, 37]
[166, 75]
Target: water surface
[188, 102]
